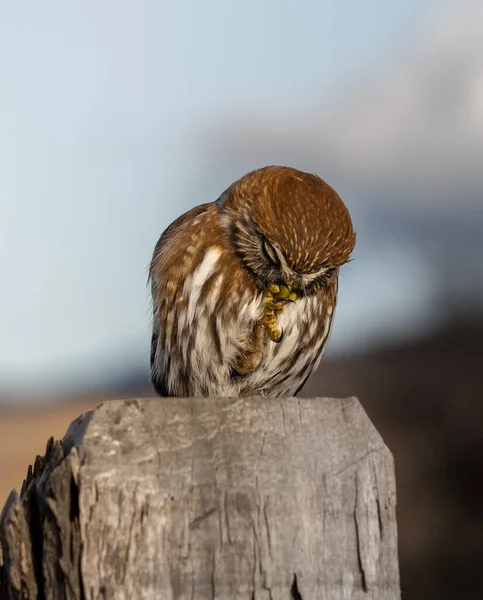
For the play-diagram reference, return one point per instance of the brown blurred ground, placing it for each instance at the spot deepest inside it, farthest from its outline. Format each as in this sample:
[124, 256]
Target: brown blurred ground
[426, 399]
[24, 434]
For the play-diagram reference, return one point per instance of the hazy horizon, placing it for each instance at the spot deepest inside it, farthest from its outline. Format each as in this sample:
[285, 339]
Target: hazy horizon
[117, 119]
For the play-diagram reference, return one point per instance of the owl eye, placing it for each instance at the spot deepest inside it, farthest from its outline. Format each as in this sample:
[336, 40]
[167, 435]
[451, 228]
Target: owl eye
[270, 252]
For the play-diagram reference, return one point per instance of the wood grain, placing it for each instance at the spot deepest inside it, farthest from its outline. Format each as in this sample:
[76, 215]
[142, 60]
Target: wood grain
[204, 498]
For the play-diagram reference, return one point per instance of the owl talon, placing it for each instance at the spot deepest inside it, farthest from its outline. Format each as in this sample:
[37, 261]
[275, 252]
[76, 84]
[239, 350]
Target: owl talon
[273, 288]
[275, 335]
[275, 298]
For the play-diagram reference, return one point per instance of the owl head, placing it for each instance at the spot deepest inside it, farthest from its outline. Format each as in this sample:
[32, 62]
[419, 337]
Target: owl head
[287, 226]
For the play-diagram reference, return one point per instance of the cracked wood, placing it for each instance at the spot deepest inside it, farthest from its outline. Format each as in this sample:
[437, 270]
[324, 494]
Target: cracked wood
[244, 498]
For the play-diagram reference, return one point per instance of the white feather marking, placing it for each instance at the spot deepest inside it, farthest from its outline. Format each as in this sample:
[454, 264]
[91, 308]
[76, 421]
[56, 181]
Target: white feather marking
[213, 296]
[182, 325]
[328, 323]
[312, 329]
[309, 277]
[181, 310]
[200, 277]
[288, 322]
[202, 345]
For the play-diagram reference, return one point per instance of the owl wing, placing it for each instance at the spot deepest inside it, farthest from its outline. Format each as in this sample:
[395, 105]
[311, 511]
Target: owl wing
[161, 251]
[157, 379]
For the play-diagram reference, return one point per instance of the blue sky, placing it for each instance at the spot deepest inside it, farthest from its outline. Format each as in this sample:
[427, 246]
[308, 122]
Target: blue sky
[108, 112]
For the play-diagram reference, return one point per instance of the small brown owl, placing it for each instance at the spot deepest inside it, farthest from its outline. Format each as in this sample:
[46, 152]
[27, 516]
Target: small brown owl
[244, 289]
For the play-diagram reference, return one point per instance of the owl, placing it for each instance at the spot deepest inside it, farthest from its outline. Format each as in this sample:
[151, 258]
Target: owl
[244, 288]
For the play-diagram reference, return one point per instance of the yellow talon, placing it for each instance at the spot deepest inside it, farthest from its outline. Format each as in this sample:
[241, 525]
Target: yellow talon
[275, 297]
[275, 334]
[273, 288]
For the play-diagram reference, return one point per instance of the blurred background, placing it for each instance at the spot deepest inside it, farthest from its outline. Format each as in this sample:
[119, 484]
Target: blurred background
[115, 117]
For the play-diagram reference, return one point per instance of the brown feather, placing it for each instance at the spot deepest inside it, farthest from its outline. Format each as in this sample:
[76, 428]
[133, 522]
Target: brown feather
[209, 272]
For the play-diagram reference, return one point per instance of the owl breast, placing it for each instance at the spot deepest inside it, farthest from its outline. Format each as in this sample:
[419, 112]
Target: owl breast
[286, 365]
[208, 342]
[206, 331]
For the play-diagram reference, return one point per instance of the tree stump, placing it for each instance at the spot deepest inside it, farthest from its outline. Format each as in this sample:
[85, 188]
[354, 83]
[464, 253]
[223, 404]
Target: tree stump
[239, 498]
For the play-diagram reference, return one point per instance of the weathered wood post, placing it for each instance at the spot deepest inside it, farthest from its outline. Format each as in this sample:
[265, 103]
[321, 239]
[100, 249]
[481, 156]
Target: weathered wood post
[202, 498]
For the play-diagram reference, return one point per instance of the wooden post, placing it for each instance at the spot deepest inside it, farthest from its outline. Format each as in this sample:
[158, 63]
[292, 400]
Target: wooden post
[241, 498]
